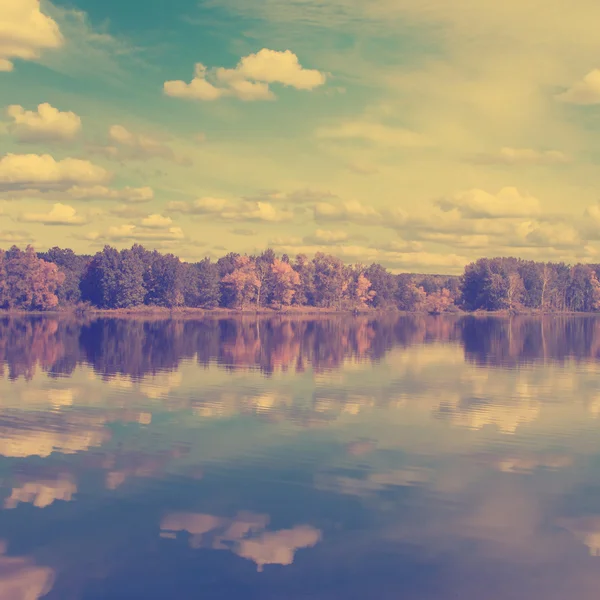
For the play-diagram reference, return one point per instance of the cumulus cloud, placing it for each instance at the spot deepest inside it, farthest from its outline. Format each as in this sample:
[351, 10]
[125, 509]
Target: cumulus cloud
[352, 211]
[584, 92]
[43, 171]
[100, 192]
[14, 237]
[60, 214]
[25, 32]
[226, 210]
[128, 211]
[137, 233]
[198, 88]
[46, 124]
[125, 144]
[297, 197]
[375, 133]
[325, 236]
[405, 257]
[508, 202]
[156, 221]
[249, 80]
[522, 156]
[553, 235]
[272, 66]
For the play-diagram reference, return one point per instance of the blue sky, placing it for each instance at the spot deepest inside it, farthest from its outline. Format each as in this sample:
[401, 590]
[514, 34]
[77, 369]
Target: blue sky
[418, 135]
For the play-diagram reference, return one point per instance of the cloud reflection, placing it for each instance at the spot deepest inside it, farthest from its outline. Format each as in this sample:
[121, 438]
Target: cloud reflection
[22, 579]
[245, 535]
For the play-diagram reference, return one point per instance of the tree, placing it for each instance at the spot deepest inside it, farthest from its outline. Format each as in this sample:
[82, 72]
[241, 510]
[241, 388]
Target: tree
[73, 267]
[409, 297]
[202, 287]
[242, 283]
[583, 292]
[130, 289]
[99, 283]
[164, 281]
[514, 290]
[492, 284]
[305, 296]
[331, 280]
[384, 284]
[360, 294]
[264, 273]
[285, 282]
[114, 279]
[438, 302]
[227, 265]
[29, 283]
[4, 288]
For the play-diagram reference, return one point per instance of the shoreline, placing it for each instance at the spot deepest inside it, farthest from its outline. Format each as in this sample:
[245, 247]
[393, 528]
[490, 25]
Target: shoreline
[190, 312]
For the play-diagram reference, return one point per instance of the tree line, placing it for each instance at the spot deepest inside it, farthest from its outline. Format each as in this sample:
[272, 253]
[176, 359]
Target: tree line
[124, 279]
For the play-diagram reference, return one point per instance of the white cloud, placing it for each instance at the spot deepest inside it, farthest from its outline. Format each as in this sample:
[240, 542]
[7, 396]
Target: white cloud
[156, 221]
[523, 156]
[243, 210]
[476, 204]
[38, 171]
[60, 214]
[46, 124]
[374, 132]
[249, 80]
[325, 236]
[201, 206]
[136, 146]
[554, 235]
[100, 192]
[272, 66]
[249, 90]
[586, 91]
[404, 257]
[353, 211]
[133, 233]
[297, 197]
[14, 237]
[197, 89]
[25, 32]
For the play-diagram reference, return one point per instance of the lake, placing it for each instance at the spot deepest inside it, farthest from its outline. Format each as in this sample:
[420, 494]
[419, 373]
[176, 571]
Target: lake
[300, 458]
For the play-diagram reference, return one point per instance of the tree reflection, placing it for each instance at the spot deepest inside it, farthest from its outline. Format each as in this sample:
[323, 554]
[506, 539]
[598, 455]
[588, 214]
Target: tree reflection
[136, 347]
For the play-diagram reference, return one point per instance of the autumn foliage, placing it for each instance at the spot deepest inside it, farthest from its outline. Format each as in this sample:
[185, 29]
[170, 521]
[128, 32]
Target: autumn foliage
[28, 282]
[131, 277]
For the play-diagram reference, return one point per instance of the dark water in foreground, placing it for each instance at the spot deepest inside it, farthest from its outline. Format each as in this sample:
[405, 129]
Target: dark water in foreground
[342, 458]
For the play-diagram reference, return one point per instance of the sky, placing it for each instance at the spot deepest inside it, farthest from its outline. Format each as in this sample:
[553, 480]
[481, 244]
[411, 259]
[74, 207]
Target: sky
[420, 135]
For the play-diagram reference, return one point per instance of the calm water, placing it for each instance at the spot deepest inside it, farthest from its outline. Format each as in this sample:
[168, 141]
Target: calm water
[343, 458]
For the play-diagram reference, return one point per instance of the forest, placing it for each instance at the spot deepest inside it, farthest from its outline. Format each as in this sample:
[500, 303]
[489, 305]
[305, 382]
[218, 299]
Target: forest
[60, 279]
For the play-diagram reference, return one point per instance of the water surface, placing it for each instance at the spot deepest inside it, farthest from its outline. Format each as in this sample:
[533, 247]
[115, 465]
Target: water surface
[336, 458]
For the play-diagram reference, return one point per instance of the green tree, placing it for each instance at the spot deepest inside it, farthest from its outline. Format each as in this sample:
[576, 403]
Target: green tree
[202, 287]
[384, 284]
[331, 280]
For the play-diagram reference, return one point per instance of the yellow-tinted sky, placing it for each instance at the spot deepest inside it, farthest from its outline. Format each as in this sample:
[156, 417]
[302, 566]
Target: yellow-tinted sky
[420, 135]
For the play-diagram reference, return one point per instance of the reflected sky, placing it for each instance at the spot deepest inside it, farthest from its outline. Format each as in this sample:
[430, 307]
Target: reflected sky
[409, 457]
